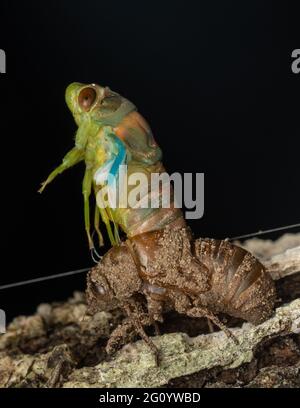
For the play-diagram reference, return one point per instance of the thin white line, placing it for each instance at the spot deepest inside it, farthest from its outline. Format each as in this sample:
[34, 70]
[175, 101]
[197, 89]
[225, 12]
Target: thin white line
[254, 234]
[43, 278]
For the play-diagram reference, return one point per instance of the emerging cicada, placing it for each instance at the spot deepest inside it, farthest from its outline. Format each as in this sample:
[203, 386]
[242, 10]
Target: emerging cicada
[110, 133]
[159, 266]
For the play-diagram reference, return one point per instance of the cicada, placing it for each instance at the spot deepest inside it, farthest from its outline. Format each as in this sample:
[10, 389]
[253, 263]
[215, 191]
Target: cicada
[112, 133]
[158, 260]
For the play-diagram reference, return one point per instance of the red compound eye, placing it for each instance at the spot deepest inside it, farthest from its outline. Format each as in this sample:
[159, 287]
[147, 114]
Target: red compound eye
[87, 98]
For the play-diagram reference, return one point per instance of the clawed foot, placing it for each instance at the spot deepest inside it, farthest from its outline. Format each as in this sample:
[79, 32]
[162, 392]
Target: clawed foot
[43, 186]
[125, 332]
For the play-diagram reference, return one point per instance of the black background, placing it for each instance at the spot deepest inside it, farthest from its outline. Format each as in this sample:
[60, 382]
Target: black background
[213, 79]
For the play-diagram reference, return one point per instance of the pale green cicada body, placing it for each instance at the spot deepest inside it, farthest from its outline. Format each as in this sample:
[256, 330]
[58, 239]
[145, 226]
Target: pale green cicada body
[110, 133]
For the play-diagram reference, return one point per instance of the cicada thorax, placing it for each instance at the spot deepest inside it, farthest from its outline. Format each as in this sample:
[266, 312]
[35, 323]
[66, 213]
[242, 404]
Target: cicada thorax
[164, 260]
[239, 284]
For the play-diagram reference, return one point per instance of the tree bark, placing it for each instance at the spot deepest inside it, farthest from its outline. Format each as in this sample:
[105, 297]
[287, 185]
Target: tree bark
[60, 346]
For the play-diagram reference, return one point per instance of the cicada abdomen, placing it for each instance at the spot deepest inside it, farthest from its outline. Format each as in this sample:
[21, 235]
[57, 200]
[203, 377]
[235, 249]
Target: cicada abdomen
[239, 284]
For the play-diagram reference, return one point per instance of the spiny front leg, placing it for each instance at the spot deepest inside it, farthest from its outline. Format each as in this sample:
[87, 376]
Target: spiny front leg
[121, 335]
[139, 320]
[125, 332]
[73, 157]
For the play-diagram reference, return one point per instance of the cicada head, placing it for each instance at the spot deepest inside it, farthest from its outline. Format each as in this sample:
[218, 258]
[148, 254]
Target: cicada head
[92, 101]
[98, 293]
[113, 281]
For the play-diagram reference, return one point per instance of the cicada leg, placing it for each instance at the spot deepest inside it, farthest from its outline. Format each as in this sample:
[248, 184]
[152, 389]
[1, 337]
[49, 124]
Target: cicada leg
[106, 221]
[106, 216]
[139, 321]
[116, 231]
[73, 157]
[86, 191]
[121, 335]
[96, 226]
[203, 312]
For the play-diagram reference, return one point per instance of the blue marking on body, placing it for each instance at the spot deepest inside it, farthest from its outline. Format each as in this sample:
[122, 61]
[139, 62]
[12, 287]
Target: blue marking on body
[109, 171]
[119, 158]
